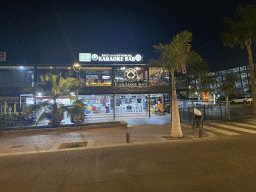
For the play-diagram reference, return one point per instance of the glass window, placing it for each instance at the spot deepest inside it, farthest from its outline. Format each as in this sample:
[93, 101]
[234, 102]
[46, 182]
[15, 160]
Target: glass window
[97, 104]
[158, 76]
[18, 76]
[97, 76]
[130, 104]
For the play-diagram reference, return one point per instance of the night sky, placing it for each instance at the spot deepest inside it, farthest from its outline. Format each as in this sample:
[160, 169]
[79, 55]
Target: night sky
[55, 32]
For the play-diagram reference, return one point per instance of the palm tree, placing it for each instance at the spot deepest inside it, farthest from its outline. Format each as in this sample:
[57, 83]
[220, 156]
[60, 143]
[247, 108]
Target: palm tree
[172, 58]
[54, 86]
[76, 111]
[228, 88]
[242, 31]
[201, 70]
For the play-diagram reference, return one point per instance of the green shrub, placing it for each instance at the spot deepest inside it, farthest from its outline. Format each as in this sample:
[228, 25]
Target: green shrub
[6, 120]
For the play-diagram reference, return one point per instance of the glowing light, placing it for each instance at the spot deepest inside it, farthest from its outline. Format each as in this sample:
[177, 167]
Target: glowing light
[77, 67]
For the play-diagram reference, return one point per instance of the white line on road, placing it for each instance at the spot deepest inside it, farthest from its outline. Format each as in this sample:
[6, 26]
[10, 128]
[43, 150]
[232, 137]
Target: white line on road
[234, 128]
[251, 120]
[246, 125]
[215, 130]
[220, 131]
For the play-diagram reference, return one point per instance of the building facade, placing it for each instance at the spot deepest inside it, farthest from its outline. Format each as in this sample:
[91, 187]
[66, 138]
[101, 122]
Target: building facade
[108, 90]
[241, 75]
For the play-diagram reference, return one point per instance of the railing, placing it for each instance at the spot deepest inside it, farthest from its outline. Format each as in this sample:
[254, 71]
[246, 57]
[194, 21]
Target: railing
[210, 112]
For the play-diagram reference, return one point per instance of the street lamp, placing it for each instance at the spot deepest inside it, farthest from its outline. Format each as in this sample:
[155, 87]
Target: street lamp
[77, 68]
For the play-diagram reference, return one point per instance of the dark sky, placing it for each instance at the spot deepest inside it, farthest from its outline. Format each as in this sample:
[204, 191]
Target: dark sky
[55, 32]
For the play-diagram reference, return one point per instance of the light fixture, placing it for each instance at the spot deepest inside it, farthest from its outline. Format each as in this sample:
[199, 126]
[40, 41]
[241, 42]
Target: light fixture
[21, 67]
[77, 67]
[50, 67]
[39, 94]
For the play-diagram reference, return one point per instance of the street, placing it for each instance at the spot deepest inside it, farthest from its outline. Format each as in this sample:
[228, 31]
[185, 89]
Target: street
[225, 163]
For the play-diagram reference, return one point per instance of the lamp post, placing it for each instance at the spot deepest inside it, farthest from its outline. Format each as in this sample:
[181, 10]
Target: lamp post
[77, 68]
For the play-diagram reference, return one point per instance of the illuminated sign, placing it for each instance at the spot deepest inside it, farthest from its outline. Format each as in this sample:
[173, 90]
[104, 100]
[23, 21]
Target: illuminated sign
[130, 74]
[85, 57]
[131, 84]
[92, 57]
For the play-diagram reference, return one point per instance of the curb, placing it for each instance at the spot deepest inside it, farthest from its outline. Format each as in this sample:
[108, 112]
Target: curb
[42, 131]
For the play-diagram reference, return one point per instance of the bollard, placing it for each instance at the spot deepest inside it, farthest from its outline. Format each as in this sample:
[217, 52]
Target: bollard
[127, 137]
[200, 132]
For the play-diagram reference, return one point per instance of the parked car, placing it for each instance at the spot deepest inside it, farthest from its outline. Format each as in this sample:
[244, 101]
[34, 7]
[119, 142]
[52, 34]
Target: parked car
[200, 103]
[242, 100]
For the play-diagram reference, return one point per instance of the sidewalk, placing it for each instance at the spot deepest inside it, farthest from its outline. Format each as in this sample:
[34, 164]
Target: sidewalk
[99, 137]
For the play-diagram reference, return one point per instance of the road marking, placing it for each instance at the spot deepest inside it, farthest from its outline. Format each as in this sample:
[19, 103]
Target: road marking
[251, 120]
[246, 125]
[215, 130]
[234, 128]
[220, 131]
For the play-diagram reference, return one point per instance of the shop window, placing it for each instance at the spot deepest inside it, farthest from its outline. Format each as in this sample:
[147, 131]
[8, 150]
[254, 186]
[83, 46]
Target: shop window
[158, 76]
[97, 104]
[11, 76]
[130, 104]
[99, 76]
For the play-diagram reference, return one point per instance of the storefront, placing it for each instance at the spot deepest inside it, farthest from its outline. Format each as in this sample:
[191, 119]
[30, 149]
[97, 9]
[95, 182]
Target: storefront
[118, 105]
[109, 105]
[110, 85]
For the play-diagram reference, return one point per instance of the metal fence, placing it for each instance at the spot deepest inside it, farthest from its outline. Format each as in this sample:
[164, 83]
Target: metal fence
[210, 112]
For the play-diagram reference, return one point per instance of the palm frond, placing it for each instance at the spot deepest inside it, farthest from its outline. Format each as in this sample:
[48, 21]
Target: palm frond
[42, 116]
[174, 55]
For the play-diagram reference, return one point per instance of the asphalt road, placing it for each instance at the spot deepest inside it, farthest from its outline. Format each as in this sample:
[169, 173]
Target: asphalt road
[226, 163]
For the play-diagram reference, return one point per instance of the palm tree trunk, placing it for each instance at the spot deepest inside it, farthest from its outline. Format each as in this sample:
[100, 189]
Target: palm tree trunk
[201, 88]
[227, 105]
[248, 45]
[55, 115]
[176, 128]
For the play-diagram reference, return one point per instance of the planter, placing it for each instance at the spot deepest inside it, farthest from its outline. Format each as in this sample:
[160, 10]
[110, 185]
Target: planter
[77, 122]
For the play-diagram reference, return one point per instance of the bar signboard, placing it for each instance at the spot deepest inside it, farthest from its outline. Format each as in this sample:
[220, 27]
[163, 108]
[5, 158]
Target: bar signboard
[127, 58]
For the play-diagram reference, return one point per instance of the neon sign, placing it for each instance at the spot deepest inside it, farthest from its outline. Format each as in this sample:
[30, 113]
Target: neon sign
[89, 57]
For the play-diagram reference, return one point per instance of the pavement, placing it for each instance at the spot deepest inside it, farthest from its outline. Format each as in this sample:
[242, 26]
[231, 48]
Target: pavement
[222, 164]
[101, 137]
[142, 130]
[148, 163]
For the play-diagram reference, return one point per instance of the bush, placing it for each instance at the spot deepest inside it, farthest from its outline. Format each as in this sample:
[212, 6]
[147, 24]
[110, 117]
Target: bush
[6, 120]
